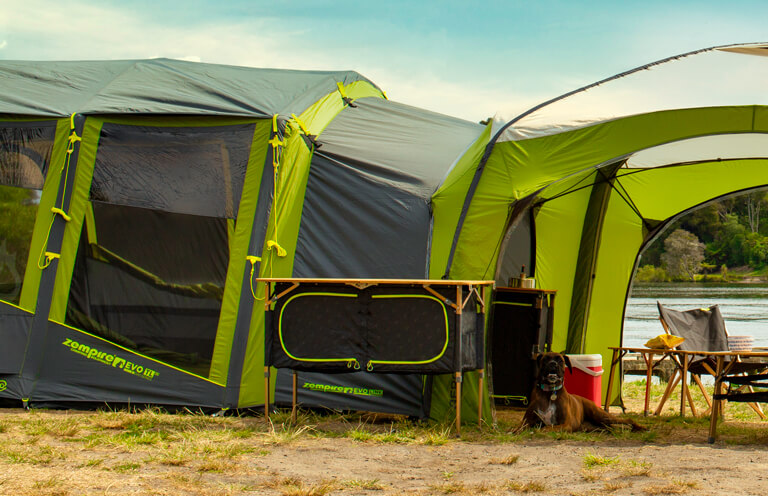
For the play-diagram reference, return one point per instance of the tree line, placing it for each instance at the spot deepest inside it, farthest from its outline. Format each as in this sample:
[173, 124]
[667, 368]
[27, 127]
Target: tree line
[710, 242]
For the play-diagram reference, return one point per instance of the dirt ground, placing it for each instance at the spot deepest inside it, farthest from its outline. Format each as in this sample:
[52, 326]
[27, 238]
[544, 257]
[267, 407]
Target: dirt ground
[547, 467]
[119, 453]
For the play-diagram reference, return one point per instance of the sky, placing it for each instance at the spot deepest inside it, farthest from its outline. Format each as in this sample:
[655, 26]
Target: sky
[462, 58]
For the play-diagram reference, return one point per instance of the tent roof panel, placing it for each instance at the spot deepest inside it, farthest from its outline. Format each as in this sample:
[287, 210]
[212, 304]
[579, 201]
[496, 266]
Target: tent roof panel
[706, 148]
[714, 77]
[403, 146]
[159, 86]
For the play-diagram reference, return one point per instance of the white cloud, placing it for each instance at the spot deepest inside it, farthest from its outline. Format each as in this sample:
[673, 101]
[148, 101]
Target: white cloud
[88, 31]
[473, 102]
[44, 30]
[3, 44]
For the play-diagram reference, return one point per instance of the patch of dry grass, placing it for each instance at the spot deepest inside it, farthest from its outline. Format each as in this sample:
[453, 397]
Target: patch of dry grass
[294, 486]
[507, 460]
[674, 487]
[615, 486]
[449, 488]
[365, 484]
[526, 487]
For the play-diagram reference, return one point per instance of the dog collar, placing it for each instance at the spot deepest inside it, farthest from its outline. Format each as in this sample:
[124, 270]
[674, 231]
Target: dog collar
[545, 387]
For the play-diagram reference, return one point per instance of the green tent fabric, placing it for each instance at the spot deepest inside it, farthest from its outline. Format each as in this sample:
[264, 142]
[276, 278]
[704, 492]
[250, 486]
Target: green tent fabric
[603, 169]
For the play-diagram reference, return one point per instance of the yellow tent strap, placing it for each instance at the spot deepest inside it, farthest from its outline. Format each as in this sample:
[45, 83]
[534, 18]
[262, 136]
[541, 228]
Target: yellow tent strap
[277, 150]
[301, 125]
[347, 100]
[253, 261]
[46, 257]
[277, 146]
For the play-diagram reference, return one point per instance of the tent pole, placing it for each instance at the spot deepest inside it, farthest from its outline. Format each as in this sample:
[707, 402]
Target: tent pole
[480, 398]
[295, 399]
[459, 307]
[458, 404]
[266, 392]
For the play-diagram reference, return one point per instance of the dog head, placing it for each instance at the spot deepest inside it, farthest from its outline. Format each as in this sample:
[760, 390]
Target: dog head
[551, 368]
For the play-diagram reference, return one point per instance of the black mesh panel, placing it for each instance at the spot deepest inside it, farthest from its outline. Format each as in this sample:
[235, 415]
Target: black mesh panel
[153, 282]
[197, 171]
[25, 155]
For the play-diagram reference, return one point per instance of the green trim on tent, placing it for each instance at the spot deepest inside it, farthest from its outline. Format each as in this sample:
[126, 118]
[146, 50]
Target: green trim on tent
[31, 284]
[222, 350]
[77, 207]
[286, 210]
[90, 225]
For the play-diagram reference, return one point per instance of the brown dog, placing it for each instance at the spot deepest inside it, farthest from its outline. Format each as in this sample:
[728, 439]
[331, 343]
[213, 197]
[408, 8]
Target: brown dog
[551, 405]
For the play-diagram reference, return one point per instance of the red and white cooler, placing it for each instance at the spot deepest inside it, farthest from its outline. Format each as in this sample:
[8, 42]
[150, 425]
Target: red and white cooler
[585, 380]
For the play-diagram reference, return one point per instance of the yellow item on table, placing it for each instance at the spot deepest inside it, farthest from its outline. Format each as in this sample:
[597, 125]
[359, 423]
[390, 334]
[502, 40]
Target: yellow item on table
[664, 342]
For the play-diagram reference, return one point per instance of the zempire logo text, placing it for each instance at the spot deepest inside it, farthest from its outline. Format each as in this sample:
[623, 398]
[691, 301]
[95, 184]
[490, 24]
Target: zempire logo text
[111, 359]
[328, 388]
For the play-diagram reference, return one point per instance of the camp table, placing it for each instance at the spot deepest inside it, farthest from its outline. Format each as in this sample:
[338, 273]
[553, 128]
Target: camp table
[381, 325]
[684, 358]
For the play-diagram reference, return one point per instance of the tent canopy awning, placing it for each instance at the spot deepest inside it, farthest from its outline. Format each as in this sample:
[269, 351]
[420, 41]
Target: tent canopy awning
[722, 76]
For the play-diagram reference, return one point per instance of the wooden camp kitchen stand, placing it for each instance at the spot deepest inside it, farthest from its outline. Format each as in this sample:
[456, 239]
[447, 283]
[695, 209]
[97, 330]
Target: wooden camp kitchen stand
[383, 325]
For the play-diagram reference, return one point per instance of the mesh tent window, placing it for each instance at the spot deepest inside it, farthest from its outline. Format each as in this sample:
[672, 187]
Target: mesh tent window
[153, 256]
[25, 155]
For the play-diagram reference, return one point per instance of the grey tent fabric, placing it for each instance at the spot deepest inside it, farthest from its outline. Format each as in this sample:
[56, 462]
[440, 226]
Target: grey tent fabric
[366, 210]
[517, 251]
[702, 328]
[160, 86]
[367, 214]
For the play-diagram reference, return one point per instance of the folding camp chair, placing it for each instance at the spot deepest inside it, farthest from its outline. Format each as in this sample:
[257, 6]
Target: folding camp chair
[704, 330]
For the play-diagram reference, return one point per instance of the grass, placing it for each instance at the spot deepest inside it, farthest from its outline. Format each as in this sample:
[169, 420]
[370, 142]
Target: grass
[364, 484]
[674, 487]
[449, 488]
[526, 487]
[401, 432]
[592, 461]
[156, 452]
[126, 467]
[291, 486]
[507, 460]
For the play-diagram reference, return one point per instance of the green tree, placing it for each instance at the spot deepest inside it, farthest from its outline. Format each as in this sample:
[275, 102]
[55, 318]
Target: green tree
[683, 254]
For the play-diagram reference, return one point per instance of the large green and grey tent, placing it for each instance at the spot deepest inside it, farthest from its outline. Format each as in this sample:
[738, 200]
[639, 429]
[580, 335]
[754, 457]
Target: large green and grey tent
[141, 198]
[577, 186]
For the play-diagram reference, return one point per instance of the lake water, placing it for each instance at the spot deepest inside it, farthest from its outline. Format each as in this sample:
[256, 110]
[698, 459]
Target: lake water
[744, 308]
